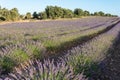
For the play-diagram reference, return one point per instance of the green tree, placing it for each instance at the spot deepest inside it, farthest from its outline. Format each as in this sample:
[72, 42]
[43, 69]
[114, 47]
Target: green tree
[96, 14]
[14, 14]
[22, 17]
[86, 13]
[43, 15]
[78, 12]
[67, 13]
[35, 15]
[50, 12]
[101, 13]
[28, 15]
[8, 15]
[5, 13]
[58, 11]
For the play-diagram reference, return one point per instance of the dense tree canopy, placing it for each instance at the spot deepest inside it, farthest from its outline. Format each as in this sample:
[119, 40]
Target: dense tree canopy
[86, 13]
[35, 15]
[28, 15]
[42, 15]
[50, 12]
[78, 12]
[9, 15]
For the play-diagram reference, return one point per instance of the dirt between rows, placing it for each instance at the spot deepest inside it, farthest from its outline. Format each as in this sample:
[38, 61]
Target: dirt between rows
[111, 65]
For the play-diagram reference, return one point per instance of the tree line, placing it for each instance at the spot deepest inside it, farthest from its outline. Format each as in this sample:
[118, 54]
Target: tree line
[50, 12]
[9, 15]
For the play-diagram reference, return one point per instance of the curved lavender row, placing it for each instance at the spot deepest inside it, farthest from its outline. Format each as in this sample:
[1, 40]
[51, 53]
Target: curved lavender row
[36, 70]
[109, 67]
[86, 56]
[108, 36]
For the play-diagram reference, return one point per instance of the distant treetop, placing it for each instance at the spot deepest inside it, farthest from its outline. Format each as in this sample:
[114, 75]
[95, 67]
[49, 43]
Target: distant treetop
[50, 12]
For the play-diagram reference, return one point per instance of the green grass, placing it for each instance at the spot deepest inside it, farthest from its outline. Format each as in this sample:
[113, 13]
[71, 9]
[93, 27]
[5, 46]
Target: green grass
[19, 56]
[66, 42]
[7, 64]
[35, 51]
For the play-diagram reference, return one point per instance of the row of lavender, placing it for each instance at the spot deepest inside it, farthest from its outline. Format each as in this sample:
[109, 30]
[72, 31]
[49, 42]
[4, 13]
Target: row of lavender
[79, 59]
[19, 52]
[18, 32]
[87, 56]
[51, 35]
[47, 70]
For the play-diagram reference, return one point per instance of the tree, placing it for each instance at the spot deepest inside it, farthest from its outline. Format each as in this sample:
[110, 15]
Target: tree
[108, 15]
[58, 11]
[22, 17]
[92, 14]
[67, 13]
[78, 12]
[54, 12]
[114, 15]
[86, 13]
[9, 15]
[28, 15]
[14, 14]
[50, 12]
[35, 15]
[43, 15]
[101, 13]
[96, 14]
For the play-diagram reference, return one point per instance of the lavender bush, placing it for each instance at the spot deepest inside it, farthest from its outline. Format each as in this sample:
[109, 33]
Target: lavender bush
[87, 56]
[36, 70]
[13, 55]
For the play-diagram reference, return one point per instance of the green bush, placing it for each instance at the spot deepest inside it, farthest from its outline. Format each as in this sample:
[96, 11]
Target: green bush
[19, 56]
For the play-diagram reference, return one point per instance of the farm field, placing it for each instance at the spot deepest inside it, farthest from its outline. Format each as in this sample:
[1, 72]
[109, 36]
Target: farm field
[77, 49]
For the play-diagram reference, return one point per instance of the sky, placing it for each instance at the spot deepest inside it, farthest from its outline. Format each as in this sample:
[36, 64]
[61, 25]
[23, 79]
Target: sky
[107, 6]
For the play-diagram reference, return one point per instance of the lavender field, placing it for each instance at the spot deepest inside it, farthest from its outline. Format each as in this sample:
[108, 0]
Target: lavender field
[75, 49]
